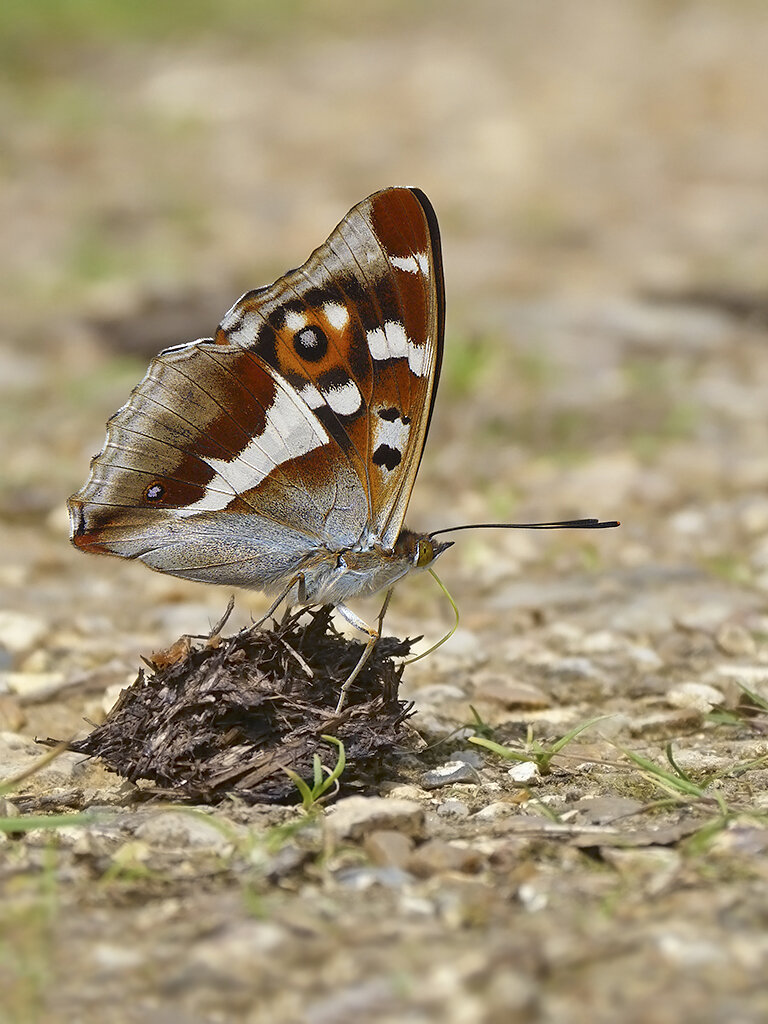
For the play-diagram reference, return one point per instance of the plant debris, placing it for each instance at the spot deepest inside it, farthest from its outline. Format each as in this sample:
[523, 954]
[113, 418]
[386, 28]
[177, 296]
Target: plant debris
[227, 716]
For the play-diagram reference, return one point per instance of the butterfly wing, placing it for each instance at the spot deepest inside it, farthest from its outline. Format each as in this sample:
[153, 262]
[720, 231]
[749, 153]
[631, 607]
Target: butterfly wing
[216, 470]
[358, 331]
[299, 427]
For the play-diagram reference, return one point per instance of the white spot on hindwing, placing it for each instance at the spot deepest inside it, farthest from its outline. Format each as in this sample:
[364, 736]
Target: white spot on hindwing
[391, 342]
[291, 430]
[406, 263]
[241, 330]
[336, 315]
[419, 262]
[294, 320]
[393, 433]
[312, 396]
[344, 399]
[417, 358]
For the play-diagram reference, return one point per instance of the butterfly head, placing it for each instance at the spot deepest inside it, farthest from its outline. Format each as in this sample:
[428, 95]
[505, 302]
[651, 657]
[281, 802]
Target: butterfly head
[419, 548]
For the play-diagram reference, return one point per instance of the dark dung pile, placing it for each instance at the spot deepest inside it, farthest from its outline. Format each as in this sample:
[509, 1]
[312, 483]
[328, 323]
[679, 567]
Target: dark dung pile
[225, 716]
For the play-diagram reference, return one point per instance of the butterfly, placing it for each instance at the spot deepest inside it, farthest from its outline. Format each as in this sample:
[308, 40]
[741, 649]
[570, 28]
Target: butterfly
[280, 455]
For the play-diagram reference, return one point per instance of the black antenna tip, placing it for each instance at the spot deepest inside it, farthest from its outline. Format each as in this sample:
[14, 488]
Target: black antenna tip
[566, 524]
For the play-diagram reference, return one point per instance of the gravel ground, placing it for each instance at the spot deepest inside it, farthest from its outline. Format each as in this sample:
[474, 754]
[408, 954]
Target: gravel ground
[599, 172]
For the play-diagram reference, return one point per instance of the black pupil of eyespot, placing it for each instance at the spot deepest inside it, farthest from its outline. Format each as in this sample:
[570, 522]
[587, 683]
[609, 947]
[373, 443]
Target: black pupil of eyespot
[155, 492]
[310, 343]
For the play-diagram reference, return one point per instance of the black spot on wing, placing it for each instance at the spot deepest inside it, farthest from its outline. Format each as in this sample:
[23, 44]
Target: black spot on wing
[359, 356]
[392, 414]
[387, 457]
[155, 492]
[362, 298]
[310, 344]
[335, 378]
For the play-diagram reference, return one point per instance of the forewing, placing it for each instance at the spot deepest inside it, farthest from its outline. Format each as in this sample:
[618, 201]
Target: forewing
[358, 332]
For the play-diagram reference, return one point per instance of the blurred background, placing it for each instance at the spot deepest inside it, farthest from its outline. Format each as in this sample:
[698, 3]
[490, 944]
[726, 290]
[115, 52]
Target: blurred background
[599, 171]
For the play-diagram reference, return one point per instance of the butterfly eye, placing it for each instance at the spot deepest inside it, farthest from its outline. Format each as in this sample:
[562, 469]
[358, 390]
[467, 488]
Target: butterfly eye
[341, 562]
[424, 553]
[310, 344]
[154, 492]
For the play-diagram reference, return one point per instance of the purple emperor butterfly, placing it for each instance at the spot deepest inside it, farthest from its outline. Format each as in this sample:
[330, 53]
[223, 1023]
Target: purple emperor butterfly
[280, 455]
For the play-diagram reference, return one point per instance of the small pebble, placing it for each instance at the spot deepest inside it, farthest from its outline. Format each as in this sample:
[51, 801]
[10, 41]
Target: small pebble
[12, 716]
[602, 810]
[691, 951]
[574, 668]
[289, 858]
[358, 816]
[404, 791]
[701, 761]
[524, 773]
[666, 723]
[493, 812]
[231, 951]
[436, 855]
[433, 727]
[20, 632]
[754, 518]
[453, 809]
[448, 774]
[388, 848]
[511, 694]
[31, 687]
[531, 897]
[704, 617]
[645, 657]
[177, 829]
[698, 696]
[361, 879]
[750, 676]
[744, 840]
[601, 642]
[112, 959]
[439, 693]
[473, 757]
[736, 640]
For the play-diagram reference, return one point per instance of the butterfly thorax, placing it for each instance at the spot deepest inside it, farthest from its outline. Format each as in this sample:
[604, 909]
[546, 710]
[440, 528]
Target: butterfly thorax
[333, 577]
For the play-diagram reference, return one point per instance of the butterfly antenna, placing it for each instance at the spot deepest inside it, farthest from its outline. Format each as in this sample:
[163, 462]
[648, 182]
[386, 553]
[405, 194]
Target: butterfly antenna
[566, 524]
[449, 634]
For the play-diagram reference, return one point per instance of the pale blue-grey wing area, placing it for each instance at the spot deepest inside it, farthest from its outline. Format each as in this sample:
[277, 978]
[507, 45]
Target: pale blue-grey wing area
[217, 470]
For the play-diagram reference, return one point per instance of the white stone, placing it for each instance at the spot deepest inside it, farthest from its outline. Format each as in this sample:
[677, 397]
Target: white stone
[20, 632]
[33, 686]
[356, 816]
[492, 812]
[524, 773]
[695, 695]
[747, 675]
[179, 829]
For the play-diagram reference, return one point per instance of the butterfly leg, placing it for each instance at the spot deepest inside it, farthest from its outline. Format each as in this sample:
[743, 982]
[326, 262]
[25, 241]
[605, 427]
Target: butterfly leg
[282, 596]
[384, 607]
[373, 636]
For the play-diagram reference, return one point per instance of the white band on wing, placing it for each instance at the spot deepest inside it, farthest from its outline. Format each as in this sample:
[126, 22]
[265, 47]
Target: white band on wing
[291, 430]
[391, 342]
